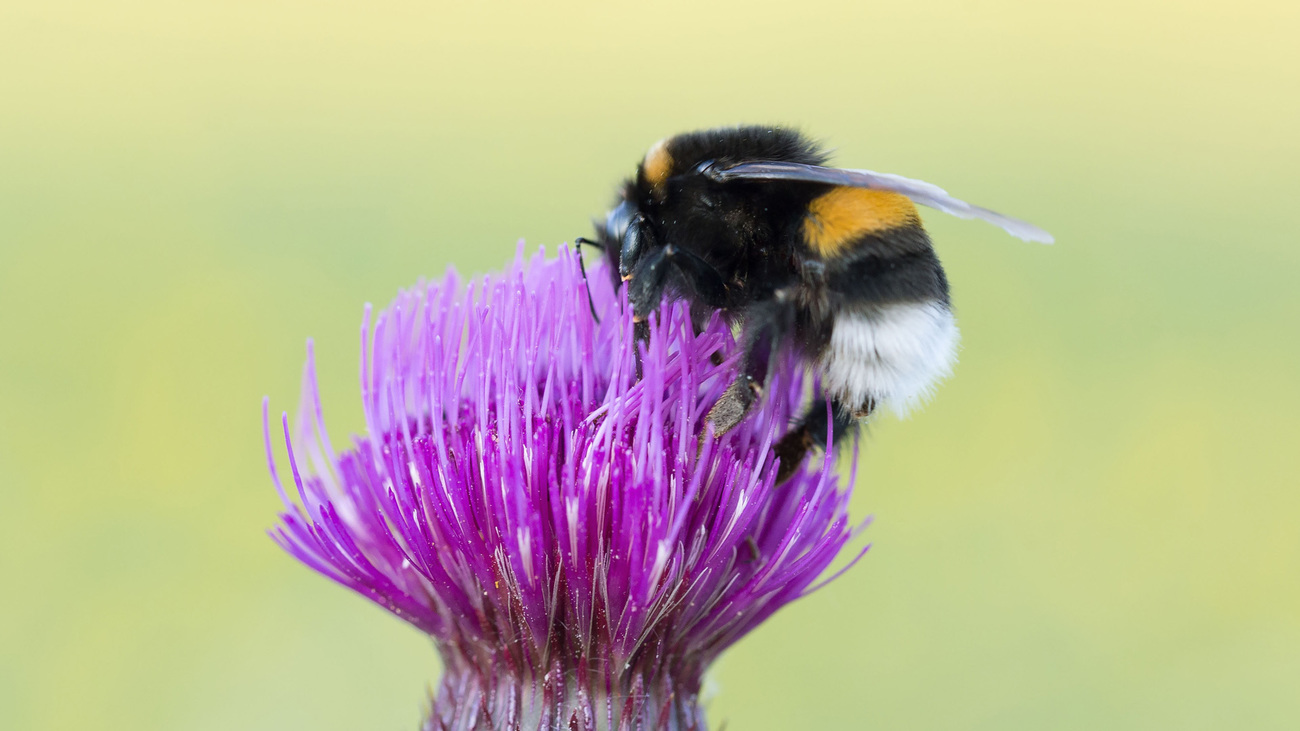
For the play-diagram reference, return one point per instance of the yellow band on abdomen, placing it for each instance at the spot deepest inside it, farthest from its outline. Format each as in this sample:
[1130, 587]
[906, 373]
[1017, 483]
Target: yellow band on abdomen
[838, 218]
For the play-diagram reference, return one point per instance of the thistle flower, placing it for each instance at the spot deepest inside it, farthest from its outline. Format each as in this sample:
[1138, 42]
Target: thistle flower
[576, 544]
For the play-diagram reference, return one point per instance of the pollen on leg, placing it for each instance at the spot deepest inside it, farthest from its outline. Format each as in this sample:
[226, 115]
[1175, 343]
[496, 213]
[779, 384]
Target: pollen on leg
[732, 406]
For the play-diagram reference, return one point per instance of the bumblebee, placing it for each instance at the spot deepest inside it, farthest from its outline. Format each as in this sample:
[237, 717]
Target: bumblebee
[831, 263]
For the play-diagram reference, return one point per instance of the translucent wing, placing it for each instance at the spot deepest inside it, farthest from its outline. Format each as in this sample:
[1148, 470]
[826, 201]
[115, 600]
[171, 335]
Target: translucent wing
[918, 190]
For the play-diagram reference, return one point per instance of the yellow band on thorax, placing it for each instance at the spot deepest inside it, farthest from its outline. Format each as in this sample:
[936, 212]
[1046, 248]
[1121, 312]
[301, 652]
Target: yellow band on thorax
[657, 164]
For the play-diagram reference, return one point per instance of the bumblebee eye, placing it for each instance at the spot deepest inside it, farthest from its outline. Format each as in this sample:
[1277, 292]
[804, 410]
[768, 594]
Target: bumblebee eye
[617, 220]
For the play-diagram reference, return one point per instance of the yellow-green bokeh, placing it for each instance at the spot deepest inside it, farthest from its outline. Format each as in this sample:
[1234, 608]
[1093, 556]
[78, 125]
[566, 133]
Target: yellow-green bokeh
[1096, 524]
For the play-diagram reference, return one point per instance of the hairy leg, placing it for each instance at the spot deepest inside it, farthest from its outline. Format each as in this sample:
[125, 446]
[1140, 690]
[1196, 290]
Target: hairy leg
[812, 432]
[766, 325]
[700, 281]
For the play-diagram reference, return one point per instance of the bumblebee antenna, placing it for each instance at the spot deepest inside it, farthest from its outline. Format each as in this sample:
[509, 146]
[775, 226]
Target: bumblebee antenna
[580, 242]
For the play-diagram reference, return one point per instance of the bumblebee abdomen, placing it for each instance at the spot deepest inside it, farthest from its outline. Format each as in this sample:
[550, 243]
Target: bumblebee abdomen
[841, 218]
[889, 354]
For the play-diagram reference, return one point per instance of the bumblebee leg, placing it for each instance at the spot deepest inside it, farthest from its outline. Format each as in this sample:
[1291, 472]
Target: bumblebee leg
[765, 325]
[645, 286]
[708, 287]
[811, 432]
[705, 281]
[645, 289]
[731, 407]
[648, 279]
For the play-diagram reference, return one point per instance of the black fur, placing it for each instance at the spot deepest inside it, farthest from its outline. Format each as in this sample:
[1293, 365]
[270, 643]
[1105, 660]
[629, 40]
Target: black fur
[729, 146]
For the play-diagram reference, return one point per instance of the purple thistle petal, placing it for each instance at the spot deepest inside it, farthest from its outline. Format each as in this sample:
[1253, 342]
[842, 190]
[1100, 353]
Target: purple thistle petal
[576, 542]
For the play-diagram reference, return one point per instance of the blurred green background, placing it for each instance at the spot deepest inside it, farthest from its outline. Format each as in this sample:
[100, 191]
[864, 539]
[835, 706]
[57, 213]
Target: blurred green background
[1096, 524]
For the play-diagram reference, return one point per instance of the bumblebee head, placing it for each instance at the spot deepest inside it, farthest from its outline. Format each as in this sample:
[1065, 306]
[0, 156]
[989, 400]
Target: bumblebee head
[623, 235]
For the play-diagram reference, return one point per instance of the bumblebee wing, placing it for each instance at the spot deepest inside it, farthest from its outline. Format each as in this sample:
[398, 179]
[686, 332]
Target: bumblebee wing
[919, 191]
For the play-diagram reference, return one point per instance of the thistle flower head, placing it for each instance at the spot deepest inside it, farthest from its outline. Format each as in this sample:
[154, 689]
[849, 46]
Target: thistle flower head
[575, 542]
